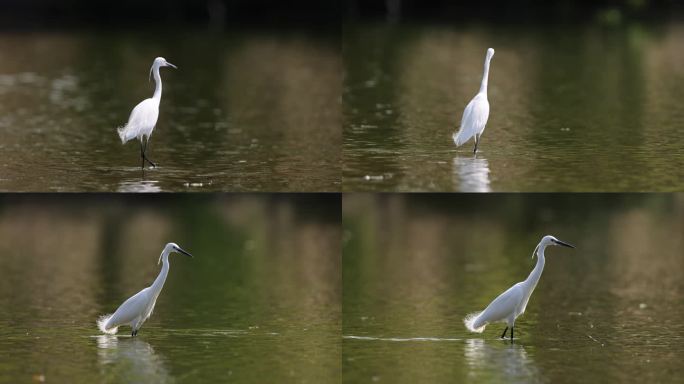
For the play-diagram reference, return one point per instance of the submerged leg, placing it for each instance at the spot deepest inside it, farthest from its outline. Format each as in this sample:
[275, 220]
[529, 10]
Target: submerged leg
[512, 328]
[503, 335]
[477, 141]
[145, 156]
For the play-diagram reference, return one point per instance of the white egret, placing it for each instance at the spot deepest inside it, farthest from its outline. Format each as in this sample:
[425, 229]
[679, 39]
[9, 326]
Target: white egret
[138, 308]
[144, 116]
[512, 303]
[476, 112]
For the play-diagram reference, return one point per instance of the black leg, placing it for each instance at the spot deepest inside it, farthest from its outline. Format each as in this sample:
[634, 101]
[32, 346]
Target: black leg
[142, 155]
[477, 141]
[503, 335]
[512, 328]
[145, 157]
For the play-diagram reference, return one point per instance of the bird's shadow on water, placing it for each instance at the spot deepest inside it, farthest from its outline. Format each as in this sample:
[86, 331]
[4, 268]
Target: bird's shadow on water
[471, 174]
[500, 359]
[130, 359]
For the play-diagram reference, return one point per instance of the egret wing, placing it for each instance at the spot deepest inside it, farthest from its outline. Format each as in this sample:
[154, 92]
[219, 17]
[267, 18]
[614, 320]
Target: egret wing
[130, 309]
[142, 120]
[474, 119]
[503, 306]
[145, 114]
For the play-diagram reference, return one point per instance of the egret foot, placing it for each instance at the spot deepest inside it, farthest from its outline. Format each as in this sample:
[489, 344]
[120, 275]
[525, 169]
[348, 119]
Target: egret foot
[503, 335]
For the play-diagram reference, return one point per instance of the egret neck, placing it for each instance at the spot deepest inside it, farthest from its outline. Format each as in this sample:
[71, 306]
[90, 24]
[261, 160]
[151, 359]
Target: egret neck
[158, 284]
[532, 280]
[157, 82]
[485, 76]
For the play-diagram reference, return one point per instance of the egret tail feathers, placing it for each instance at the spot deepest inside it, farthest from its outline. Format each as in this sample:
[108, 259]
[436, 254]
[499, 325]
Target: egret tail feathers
[104, 327]
[125, 134]
[460, 138]
[473, 324]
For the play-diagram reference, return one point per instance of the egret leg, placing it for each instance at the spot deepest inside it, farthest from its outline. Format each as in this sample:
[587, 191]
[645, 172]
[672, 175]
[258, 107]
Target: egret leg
[503, 335]
[512, 328]
[477, 141]
[144, 156]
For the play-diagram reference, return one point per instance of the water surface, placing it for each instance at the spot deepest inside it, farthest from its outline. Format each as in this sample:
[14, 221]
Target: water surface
[608, 311]
[259, 302]
[247, 110]
[572, 108]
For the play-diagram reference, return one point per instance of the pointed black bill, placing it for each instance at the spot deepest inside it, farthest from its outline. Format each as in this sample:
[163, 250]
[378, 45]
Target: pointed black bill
[183, 252]
[564, 244]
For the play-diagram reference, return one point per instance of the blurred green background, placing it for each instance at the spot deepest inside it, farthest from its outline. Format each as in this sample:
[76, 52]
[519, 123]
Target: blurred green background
[584, 96]
[260, 301]
[609, 311]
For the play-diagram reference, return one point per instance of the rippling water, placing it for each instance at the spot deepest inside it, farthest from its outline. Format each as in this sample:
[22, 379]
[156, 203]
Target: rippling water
[608, 311]
[246, 110]
[573, 108]
[259, 302]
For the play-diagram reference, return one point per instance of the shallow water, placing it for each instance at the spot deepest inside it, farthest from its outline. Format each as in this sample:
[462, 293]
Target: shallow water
[259, 302]
[608, 311]
[246, 110]
[572, 108]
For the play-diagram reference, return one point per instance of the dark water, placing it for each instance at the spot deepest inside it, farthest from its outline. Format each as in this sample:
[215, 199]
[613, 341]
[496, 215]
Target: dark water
[246, 110]
[609, 311]
[572, 108]
[259, 302]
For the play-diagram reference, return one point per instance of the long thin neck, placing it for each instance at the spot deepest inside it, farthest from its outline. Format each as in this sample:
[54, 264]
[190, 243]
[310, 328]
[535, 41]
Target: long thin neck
[158, 82]
[159, 281]
[534, 276]
[485, 76]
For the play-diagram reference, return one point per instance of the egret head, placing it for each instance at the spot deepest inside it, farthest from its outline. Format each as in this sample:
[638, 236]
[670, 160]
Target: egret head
[160, 62]
[490, 53]
[550, 240]
[172, 247]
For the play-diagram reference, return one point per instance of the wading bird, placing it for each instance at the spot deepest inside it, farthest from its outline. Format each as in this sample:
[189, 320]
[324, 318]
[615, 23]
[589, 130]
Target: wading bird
[144, 116]
[138, 308]
[511, 304]
[476, 112]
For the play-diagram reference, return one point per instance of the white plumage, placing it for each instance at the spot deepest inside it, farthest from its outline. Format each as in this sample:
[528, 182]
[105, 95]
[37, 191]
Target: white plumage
[141, 122]
[512, 303]
[476, 112]
[144, 116]
[138, 308]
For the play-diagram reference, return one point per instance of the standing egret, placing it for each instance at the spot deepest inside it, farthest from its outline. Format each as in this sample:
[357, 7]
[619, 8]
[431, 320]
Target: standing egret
[144, 116]
[511, 304]
[138, 307]
[476, 112]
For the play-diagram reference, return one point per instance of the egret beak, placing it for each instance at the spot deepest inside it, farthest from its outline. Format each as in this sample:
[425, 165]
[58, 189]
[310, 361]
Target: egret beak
[171, 65]
[558, 242]
[183, 252]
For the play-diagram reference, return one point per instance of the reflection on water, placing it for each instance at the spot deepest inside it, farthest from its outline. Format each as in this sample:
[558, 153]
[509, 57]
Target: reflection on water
[597, 107]
[416, 264]
[471, 174]
[139, 186]
[259, 302]
[500, 361]
[130, 359]
[245, 110]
